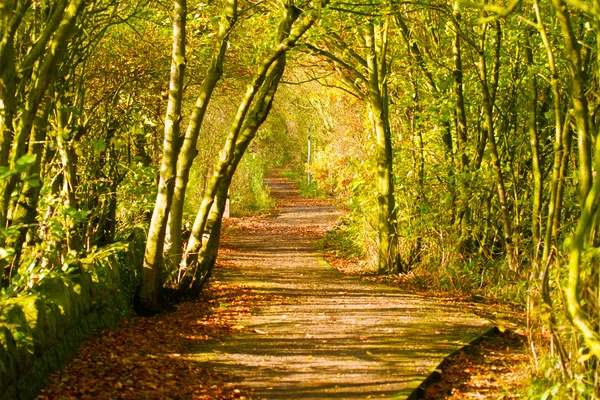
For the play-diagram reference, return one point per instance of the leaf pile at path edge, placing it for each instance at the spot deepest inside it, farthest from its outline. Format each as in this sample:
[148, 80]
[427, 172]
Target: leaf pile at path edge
[146, 358]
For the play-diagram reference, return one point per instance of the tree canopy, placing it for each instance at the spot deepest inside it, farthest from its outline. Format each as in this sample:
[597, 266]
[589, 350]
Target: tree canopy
[461, 136]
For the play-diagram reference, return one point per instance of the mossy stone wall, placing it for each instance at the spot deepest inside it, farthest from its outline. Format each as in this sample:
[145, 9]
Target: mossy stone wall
[39, 331]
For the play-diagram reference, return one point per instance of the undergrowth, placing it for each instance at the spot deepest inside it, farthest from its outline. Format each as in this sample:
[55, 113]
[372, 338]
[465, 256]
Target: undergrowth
[300, 179]
[348, 244]
[248, 193]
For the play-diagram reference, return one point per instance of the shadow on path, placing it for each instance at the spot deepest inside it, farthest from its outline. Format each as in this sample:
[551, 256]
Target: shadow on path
[327, 335]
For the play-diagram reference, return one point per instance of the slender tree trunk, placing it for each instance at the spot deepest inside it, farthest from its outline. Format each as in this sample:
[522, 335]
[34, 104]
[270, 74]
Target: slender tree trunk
[536, 162]
[561, 132]
[148, 296]
[188, 149]
[461, 132]
[196, 267]
[25, 210]
[191, 285]
[11, 14]
[287, 37]
[577, 91]
[376, 45]
[582, 314]
[560, 156]
[489, 91]
[586, 326]
[566, 143]
[68, 161]
[461, 115]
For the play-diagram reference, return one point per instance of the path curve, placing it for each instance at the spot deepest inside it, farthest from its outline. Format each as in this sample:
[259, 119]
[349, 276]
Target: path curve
[323, 335]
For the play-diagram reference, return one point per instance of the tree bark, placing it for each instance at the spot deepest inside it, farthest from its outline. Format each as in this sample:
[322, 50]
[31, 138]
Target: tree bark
[148, 298]
[377, 99]
[536, 162]
[461, 132]
[199, 259]
[489, 90]
[577, 91]
[287, 37]
[188, 148]
[260, 111]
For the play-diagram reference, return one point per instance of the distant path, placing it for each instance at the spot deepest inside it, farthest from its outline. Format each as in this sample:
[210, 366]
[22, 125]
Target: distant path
[324, 335]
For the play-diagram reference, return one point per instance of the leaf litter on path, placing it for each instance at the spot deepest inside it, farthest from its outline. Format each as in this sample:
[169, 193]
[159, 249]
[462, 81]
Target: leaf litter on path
[147, 358]
[335, 336]
[497, 367]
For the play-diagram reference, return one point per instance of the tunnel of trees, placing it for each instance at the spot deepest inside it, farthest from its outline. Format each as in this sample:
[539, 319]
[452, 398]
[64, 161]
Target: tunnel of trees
[461, 137]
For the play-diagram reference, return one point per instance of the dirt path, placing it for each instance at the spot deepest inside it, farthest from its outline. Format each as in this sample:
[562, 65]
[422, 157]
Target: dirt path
[321, 334]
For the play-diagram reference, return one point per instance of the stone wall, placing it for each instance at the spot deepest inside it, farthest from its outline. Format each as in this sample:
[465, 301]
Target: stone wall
[40, 330]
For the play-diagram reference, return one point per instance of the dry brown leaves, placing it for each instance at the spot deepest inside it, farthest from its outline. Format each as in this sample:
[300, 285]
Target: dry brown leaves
[347, 266]
[262, 224]
[496, 368]
[148, 358]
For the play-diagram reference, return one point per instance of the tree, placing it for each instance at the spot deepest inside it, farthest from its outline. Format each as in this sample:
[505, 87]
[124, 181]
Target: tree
[190, 140]
[251, 113]
[364, 72]
[148, 298]
[24, 82]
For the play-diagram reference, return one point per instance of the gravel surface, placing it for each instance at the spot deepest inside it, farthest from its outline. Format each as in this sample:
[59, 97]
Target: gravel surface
[324, 335]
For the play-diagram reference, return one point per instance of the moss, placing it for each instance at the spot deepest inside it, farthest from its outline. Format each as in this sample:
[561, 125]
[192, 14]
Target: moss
[20, 331]
[8, 352]
[39, 332]
[34, 309]
[55, 290]
[55, 329]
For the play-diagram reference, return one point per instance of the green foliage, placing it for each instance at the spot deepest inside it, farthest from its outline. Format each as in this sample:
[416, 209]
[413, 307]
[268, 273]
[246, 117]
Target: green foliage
[549, 381]
[248, 193]
[83, 178]
[342, 240]
[136, 195]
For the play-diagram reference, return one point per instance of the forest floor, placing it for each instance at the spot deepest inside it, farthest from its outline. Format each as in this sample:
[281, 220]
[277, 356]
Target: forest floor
[278, 322]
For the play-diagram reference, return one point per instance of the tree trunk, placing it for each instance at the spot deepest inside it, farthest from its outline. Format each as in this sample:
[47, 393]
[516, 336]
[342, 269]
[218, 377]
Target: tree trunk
[577, 92]
[148, 299]
[536, 162]
[287, 37]
[24, 211]
[196, 266]
[489, 91]
[560, 156]
[376, 44]
[188, 148]
[461, 133]
[191, 284]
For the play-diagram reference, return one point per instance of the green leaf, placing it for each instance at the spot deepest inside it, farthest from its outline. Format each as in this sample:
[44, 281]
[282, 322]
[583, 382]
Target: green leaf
[5, 172]
[25, 162]
[6, 253]
[99, 146]
[34, 182]
[8, 232]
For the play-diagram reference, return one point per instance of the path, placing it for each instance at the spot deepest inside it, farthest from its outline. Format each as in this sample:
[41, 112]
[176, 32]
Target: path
[325, 335]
